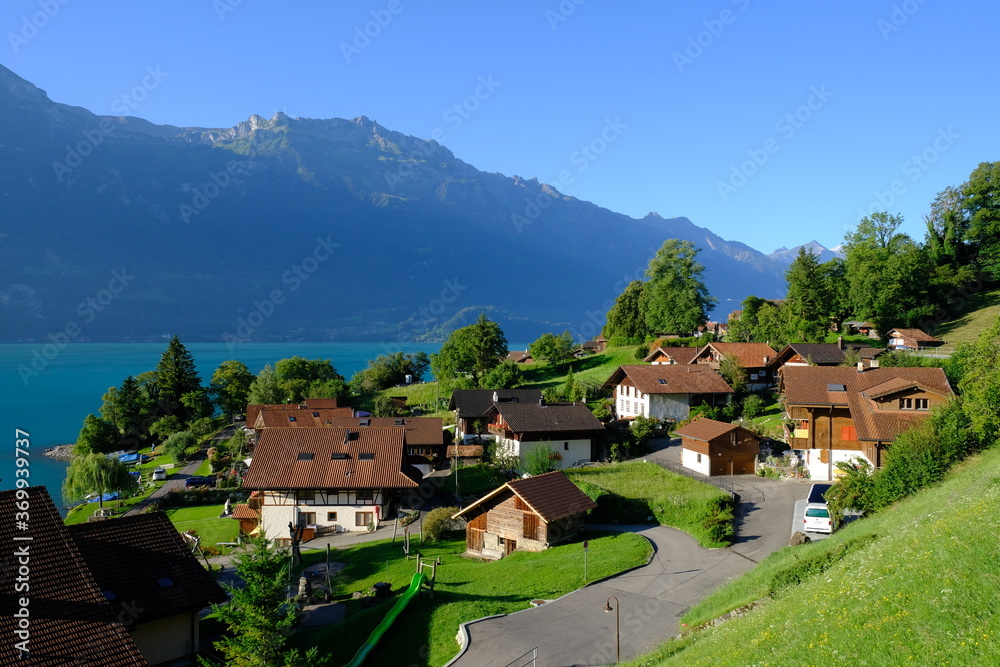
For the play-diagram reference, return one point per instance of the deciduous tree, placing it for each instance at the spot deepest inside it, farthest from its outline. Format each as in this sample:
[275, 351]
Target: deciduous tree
[675, 298]
[473, 351]
[230, 387]
[552, 348]
[96, 473]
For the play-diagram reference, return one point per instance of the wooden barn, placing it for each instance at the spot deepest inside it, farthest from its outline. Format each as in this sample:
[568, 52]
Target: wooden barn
[528, 514]
[717, 448]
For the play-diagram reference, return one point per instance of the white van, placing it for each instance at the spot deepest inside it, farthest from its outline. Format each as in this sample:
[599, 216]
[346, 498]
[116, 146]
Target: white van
[816, 518]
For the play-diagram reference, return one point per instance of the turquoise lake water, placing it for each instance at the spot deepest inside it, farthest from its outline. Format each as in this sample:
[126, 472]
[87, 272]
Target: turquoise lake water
[51, 402]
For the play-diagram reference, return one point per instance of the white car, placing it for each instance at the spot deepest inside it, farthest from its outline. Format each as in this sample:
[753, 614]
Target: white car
[159, 475]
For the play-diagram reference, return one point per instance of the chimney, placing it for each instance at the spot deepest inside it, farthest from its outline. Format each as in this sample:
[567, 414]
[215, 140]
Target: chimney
[873, 363]
[861, 366]
[840, 342]
[496, 397]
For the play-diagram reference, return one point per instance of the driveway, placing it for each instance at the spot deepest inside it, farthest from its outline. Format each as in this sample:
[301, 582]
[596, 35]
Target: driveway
[575, 629]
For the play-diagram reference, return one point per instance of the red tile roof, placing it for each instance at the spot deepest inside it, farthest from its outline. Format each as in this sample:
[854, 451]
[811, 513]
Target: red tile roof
[750, 355]
[70, 621]
[279, 460]
[680, 355]
[131, 556]
[671, 379]
[304, 418]
[417, 430]
[245, 512]
[551, 496]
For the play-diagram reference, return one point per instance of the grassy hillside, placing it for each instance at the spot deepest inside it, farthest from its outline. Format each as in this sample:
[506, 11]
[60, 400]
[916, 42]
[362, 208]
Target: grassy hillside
[981, 312]
[917, 584]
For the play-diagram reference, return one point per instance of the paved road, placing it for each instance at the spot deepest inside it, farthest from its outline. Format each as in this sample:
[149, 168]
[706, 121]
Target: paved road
[575, 630]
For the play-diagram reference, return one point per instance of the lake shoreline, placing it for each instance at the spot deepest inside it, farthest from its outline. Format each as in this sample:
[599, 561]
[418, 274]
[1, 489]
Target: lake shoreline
[61, 453]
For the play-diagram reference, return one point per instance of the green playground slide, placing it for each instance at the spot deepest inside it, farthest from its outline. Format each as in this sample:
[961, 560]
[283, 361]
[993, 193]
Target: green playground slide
[376, 635]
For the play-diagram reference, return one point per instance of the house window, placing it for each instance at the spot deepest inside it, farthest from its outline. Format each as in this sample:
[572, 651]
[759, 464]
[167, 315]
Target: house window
[848, 433]
[565, 446]
[621, 404]
[530, 531]
[363, 518]
[307, 518]
[906, 404]
[331, 516]
[753, 376]
[922, 404]
[732, 438]
[699, 458]
[306, 496]
[365, 495]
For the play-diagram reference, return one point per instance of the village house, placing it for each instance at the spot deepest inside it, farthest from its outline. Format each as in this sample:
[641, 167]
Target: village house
[823, 354]
[529, 514]
[664, 392]
[839, 412]
[912, 339]
[570, 429]
[423, 437]
[717, 448]
[328, 480]
[473, 405]
[671, 355]
[520, 357]
[309, 411]
[754, 357]
[70, 620]
[152, 581]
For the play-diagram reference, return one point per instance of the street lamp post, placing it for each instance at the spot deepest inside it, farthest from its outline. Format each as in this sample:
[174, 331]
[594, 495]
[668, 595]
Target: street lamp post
[617, 610]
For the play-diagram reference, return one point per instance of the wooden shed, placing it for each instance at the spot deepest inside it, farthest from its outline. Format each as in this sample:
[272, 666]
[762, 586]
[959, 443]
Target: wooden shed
[528, 514]
[717, 448]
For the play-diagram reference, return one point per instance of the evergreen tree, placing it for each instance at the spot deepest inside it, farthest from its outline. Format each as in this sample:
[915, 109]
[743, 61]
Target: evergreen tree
[176, 375]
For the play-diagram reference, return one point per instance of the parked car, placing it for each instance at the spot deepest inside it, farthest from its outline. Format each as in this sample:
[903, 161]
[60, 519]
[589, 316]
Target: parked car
[194, 481]
[816, 518]
[159, 475]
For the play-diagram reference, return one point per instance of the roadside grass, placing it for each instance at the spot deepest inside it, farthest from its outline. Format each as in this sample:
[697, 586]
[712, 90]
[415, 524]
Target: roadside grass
[203, 470]
[591, 371]
[205, 521]
[472, 480]
[980, 313]
[919, 587]
[646, 489]
[466, 589]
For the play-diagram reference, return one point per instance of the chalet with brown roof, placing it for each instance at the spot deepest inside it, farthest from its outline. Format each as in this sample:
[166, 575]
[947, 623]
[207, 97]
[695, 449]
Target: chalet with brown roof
[328, 480]
[69, 621]
[754, 357]
[841, 412]
[912, 339]
[528, 514]
[310, 413]
[148, 575]
[570, 429]
[717, 448]
[665, 392]
[822, 354]
[520, 357]
[670, 356]
[473, 405]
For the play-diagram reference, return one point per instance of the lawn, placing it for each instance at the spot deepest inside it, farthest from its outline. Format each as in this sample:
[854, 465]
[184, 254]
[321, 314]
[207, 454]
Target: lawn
[644, 489]
[205, 521]
[982, 311]
[768, 423]
[591, 371]
[466, 589]
[914, 585]
[473, 481]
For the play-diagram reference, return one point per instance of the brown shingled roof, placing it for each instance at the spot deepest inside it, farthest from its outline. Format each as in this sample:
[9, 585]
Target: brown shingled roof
[70, 621]
[750, 355]
[417, 430]
[671, 379]
[304, 418]
[552, 496]
[705, 429]
[245, 512]
[476, 403]
[145, 564]
[680, 355]
[280, 459]
[916, 334]
[535, 418]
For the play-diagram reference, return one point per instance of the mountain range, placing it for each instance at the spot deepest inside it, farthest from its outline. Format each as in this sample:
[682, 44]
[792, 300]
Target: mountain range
[116, 229]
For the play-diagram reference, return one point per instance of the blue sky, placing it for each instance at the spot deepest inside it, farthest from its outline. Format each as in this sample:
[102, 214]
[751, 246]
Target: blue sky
[771, 125]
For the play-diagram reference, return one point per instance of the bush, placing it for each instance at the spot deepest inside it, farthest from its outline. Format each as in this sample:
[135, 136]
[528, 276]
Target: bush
[810, 567]
[179, 445]
[438, 524]
[541, 459]
[753, 405]
[718, 520]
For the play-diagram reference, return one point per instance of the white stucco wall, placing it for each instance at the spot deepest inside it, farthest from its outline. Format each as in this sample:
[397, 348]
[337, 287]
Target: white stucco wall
[275, 518]
[669, 406]
[571, 451]
[821, 471]
[689, 459]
